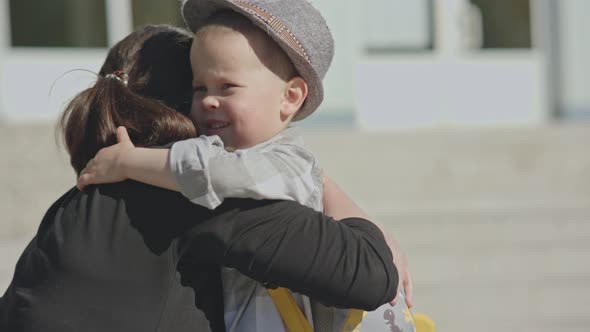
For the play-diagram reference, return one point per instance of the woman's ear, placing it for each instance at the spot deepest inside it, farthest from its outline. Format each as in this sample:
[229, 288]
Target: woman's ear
[295, 94]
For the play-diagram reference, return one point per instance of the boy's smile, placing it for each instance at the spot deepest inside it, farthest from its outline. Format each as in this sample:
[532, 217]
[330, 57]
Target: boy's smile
[215, 127]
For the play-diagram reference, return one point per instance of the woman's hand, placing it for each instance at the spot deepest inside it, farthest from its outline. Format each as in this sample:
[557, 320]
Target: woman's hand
[339, 206]
[401, 263]
[107, 166]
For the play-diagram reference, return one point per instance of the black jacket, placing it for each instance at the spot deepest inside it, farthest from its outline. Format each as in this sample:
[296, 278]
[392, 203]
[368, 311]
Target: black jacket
[132, 257]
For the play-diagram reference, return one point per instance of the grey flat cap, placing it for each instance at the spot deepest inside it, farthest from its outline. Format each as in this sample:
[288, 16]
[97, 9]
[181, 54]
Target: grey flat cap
[298, 28]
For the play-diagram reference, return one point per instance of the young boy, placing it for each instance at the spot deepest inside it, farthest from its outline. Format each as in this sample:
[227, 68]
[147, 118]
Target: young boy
[257, 66]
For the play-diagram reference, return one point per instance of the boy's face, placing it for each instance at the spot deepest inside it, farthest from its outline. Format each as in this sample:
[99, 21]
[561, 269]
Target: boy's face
[235, 95]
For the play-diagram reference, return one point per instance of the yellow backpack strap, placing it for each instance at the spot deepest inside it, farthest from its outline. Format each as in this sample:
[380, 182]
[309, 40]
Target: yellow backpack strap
[353, 321]
[291, 315]
[294, 319]
[423, 323]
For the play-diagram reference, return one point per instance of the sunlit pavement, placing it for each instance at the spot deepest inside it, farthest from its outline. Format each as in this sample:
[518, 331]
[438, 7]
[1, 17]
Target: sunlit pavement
[495, 221]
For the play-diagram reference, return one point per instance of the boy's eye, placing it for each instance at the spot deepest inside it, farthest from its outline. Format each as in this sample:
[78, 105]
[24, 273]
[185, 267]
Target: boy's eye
[201, 88]
[227, 86]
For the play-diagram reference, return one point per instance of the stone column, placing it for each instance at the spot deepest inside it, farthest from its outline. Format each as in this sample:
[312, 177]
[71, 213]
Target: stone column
[457, 27]
[5, 45]
[119, 20]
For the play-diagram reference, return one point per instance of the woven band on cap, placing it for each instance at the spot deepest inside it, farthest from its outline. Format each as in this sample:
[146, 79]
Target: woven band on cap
[276, 25]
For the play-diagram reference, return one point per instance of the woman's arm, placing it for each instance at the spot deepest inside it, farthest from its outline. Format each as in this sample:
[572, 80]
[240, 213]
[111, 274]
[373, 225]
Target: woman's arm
[339, 206]
[282, 243]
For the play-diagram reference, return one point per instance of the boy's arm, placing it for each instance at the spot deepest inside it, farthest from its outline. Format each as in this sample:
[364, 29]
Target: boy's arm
[339, 206]
[206, 173]
[150, 166]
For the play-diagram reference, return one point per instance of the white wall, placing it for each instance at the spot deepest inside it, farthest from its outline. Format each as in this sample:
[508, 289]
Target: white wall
[35, 83]
[426, 91]
[455, 84]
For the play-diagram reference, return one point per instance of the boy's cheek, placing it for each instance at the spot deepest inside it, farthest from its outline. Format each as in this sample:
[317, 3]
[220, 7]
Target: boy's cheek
[195, 120]
[196, 124]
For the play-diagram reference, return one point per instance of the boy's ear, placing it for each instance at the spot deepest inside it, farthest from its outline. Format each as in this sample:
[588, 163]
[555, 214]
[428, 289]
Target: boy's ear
[295, 94]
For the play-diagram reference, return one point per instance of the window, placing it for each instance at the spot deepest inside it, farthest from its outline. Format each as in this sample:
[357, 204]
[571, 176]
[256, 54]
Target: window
[58, 23]
[156, 12]
[506, 23]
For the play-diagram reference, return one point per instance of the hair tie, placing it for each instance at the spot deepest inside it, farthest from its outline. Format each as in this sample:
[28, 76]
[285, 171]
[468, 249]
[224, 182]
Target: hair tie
[120, 76]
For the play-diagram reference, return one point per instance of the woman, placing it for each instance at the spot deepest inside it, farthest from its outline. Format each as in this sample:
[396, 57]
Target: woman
[131, 257]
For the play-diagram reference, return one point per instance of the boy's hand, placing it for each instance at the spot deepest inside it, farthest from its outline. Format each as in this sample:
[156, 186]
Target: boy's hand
[107, 166]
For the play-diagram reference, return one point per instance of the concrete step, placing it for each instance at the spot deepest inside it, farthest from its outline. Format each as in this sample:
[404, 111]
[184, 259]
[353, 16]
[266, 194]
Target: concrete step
[495, 221]
[459, 169]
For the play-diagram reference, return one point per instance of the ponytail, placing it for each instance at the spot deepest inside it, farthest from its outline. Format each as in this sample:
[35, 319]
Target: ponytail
[151, 102]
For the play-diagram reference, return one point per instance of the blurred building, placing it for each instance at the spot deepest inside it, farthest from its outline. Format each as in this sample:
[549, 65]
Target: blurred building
[399, 63]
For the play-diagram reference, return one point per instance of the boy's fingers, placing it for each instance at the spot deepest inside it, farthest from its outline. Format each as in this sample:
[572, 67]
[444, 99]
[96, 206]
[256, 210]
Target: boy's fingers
[122, 135]
[86, 176]
[83, 181]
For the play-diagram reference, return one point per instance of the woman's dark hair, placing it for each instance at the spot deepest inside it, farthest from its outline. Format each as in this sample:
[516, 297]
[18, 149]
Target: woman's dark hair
[153, 106]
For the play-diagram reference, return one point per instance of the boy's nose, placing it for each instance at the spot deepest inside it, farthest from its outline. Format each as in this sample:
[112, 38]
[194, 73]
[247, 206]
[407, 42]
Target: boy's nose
[210, 103]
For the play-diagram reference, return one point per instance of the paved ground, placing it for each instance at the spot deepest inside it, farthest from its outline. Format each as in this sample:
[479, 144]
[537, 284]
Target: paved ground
[496, 222]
